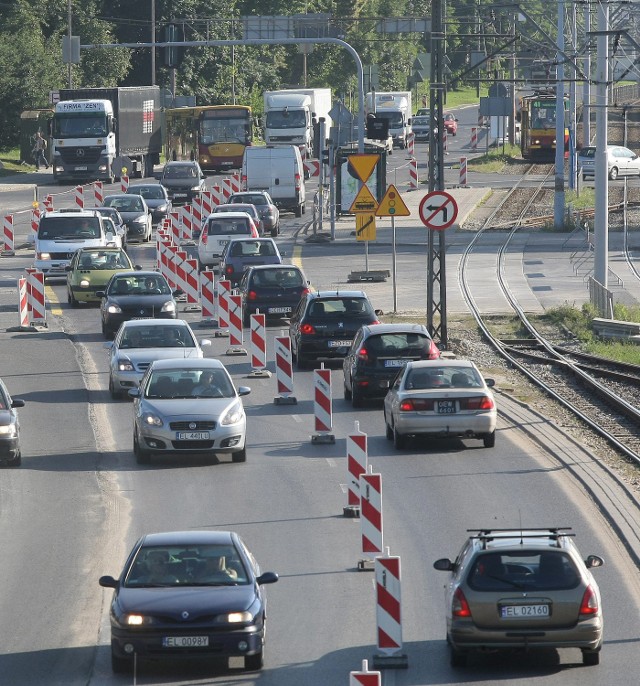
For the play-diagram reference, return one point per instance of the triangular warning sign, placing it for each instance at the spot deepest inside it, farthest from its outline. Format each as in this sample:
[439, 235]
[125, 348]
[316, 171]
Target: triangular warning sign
[363, 165]
[392, 204]
[364, 201]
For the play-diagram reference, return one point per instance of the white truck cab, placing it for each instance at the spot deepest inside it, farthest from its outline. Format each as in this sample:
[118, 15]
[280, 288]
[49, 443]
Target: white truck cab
[62, 232]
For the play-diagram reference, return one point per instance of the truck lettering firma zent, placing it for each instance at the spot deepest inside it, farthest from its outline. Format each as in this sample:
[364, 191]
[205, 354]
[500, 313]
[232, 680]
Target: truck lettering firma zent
[94, 128]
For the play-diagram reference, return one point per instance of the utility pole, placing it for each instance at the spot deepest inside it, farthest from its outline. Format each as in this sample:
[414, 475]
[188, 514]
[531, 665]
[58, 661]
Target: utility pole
[586, 84]
[558, 200]
[601, 228]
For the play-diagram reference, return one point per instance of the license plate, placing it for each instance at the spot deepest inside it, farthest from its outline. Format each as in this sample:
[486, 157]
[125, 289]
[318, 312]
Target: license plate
[179, 195]
[278, 310]
[395, 363]
[141, 317]
[83, 168]
[339, 344]
[524, 611]
[192, 436]
[185, 641]
[446, 407]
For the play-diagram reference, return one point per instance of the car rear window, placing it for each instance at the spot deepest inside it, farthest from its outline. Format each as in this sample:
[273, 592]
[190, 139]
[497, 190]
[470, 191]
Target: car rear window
[443, 377]
[252, 249]
[223, 226]
[533, 570]
[277, 278]
[587, 152]
[332, 307]
[399, 344]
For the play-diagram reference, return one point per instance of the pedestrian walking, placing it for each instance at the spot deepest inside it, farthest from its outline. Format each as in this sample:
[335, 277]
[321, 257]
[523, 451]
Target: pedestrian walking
[39, 150]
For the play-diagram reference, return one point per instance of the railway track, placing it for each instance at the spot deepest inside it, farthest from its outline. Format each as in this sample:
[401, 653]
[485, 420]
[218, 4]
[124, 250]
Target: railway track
[603, 394]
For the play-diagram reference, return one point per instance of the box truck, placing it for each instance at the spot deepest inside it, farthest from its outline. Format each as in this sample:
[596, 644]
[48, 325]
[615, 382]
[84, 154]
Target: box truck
[95, 132]
[278, 170]
[396, 107]
[290, 115]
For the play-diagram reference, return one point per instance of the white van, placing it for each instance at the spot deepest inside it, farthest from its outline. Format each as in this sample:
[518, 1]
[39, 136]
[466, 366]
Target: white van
[279, 171]
[218, 230]
[62, 232]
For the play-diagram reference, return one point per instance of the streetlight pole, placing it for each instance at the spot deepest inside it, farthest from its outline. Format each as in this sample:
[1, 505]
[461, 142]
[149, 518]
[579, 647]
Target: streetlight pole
[70, 73]
[153, 42]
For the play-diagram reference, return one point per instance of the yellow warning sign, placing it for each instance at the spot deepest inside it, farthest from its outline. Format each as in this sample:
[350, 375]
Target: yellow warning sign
[363, 165]
[392, 204]
[364, 201]
[365, 226]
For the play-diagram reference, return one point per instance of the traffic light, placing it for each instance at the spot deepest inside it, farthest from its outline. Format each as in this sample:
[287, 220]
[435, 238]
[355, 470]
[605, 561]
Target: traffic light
[173, 55]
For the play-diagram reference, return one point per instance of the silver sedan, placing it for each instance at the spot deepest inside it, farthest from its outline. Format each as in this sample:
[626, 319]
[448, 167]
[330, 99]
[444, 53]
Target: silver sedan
[141, 341]
[188, 406]
[440, 398]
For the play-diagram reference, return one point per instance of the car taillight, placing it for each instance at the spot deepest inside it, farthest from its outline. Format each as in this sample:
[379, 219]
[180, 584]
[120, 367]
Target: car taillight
[483, 402]
[228, 269]
[416, 405]
[252, 295]
[460, 606]
[307, 329]
[589, 605]
[434, 351]
[376, 321]
[363, 355]
[304, 292]
[297, 182]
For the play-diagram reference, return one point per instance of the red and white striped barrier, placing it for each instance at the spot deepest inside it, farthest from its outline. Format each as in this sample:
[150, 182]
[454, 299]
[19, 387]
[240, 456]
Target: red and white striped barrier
[388, 605]
[235, 325]
[357, 457]
[217, 196]
[258, 345]
[175, 226]
[187, 223]
[474, 138]
[284, 371]
[36, 290]
[23, 305]
[370, 516]
[48, 203]
[322, 406]
[172, 263]
[35, 219]
[78, 195]
[180, 257]
[196, 216]
[224, 293]
[463, 171]
[413, 174]
[98, 193]
[8, 237]
[124, 183]
[236, 185]
[365, 677]
[192, 284]
[208, 297]
[207, 204]
[312, 167]
[30, 271]
[411, 144]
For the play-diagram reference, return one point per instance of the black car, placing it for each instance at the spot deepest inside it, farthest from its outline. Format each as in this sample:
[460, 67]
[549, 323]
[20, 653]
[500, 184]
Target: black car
[156, 197]
[184, 181]
[10, 454]
[188, 595]
[274, 290]
[135, 295]
[376, 354]
[324, 323]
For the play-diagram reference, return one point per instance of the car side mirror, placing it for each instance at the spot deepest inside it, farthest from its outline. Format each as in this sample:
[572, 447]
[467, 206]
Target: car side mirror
[594, 561]
[134, 392]
[490, 382]
[178, 292]
[244, 390]
[68, 268]
[109, 236]
[108, 582]
[379, 313]
[267, 578]
[137, 267]
[100, 294]
[204, 342]
[17, 402]
[444, 564]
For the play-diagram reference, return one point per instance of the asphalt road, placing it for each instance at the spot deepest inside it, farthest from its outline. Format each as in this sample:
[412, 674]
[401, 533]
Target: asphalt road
[79, 501]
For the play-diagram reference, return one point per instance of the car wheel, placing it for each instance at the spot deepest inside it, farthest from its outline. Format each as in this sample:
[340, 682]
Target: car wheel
[399, 441]
[105, 332]
[613, 174]
[347, 392]
[142, 456]
[590, 657]
[254, 662]
[356, 397]
[17, 460]
[457, 658]
[301, 362]
[121, 665]
[388, 429]
[116, 395]
[71, 300]
[240, 456]
[298, 211]
[489, 440]
[274, 232]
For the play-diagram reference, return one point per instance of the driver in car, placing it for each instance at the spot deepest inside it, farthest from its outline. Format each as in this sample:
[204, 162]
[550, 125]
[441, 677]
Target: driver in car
[207, 387]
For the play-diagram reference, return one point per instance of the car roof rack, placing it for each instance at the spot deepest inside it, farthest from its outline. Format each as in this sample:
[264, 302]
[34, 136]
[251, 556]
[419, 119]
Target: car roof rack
[551, 532]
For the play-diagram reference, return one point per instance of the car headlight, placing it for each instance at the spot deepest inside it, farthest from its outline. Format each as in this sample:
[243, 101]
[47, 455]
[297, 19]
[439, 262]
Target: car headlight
[152, 419]
[43, 256]
[236, 617]
[142, 219]
[162, 208]
[125, 366]
[9, 431]
[134, 619]
[84, 283]
[196, 189]
[114, 309]
[169, 307]
[233, 415]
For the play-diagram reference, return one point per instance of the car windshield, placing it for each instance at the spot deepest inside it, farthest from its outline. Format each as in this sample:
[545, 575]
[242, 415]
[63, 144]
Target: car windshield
[184, 565]
[157, 337]
[443, 377]
[164, 384]
[420, 121]
[131, 203]
[104, 259]
[148, 192]
[68, 227]
[523, 569]
[587, 152]
[180, 172]
[139, 285]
